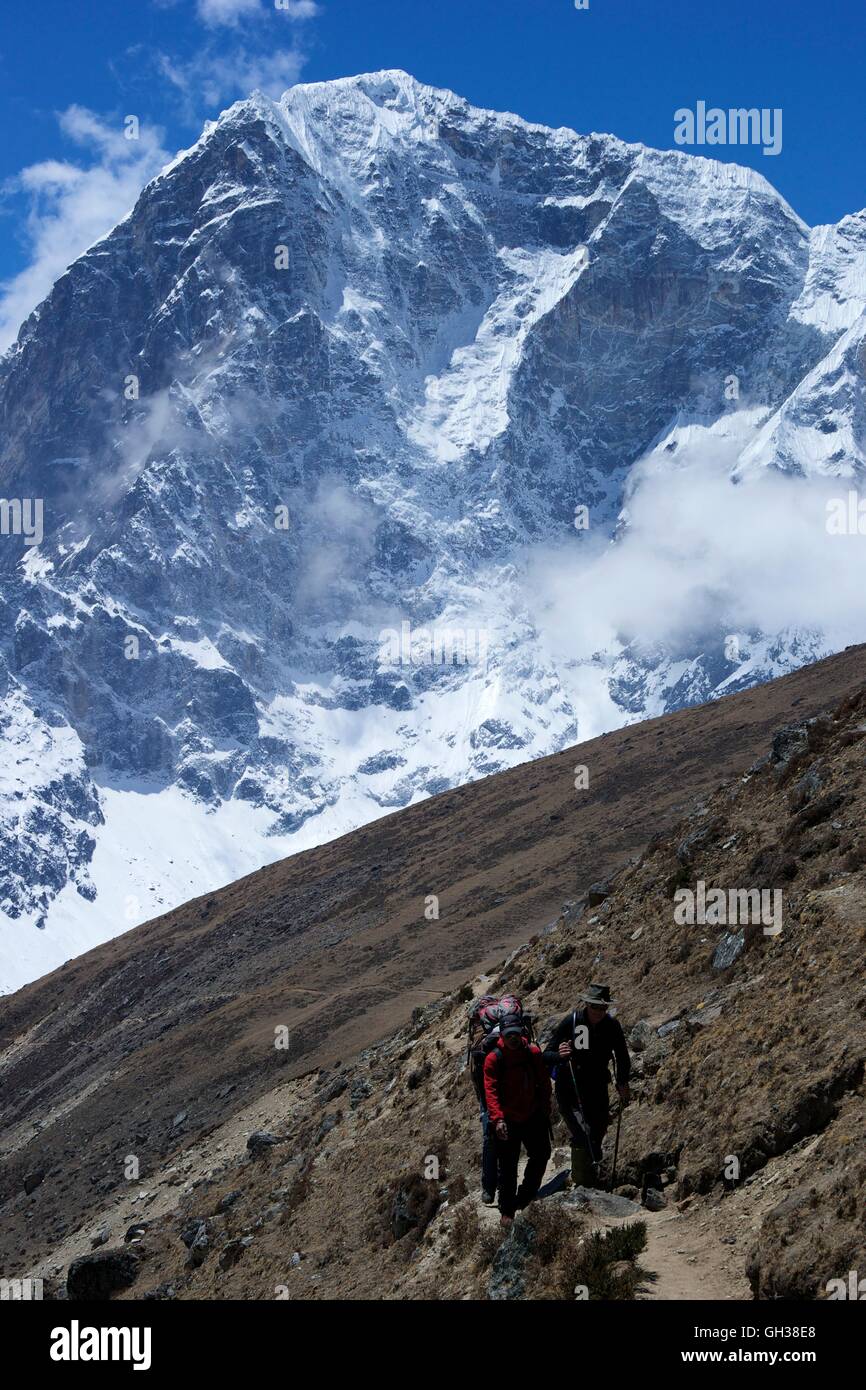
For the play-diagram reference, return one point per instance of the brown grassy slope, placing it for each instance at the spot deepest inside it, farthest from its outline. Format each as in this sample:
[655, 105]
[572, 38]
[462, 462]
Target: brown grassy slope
[768, 1060]
[179, 1015]
[781, 1061]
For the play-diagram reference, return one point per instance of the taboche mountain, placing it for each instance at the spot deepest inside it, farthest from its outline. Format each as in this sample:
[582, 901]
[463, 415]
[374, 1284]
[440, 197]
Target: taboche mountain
[160, 1045]
[422, 334]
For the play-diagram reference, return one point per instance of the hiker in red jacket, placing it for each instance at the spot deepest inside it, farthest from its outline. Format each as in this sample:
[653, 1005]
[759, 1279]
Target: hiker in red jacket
[517, 1091]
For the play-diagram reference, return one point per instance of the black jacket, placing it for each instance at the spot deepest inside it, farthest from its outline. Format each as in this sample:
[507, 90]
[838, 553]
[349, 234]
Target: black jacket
[590, 1063]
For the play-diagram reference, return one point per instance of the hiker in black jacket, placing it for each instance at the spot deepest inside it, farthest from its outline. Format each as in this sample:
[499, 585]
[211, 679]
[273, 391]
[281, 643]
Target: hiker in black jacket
[580, 1050]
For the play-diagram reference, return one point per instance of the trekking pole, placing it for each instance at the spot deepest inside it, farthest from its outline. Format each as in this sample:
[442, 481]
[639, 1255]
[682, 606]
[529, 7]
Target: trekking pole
[612, 1075]
[615, 1150]
[580, 1117]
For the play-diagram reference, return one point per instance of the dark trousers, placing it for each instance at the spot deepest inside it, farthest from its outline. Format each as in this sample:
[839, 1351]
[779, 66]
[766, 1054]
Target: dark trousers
[489, 1162]
[534, 1136]
[595, 1109]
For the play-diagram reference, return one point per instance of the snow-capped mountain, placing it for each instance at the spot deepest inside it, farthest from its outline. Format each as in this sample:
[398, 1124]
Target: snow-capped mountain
[370, 378]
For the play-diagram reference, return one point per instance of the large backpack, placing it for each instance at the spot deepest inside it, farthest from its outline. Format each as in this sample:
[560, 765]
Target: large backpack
[485, 1017]
[487, 1013]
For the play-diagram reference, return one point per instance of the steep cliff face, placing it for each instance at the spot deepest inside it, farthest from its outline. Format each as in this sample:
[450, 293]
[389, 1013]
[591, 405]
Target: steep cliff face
[343, 376]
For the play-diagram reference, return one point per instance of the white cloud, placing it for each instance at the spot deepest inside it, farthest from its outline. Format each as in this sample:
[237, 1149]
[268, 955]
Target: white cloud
[338, 532]
[702, 556]
[297, 9]
[231, 13]
[228, 12]
[217, 78]
[72, 205]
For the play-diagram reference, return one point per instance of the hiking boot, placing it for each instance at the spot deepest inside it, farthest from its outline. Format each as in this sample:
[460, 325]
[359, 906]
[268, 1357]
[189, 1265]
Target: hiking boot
[487, 1198]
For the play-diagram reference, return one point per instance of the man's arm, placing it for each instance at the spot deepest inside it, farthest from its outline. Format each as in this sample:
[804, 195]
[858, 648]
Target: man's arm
[561, 1034]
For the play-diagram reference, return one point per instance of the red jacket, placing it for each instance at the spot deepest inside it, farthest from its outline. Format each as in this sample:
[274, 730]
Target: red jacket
[516, 1082]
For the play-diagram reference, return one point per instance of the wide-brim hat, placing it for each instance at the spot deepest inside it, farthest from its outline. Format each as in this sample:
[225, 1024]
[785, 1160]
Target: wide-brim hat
[597, 994]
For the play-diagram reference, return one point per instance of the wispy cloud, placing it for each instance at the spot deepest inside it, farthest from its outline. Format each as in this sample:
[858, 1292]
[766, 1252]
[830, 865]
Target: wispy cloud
[70, 204]
[229, 12]
[215, 78]
[257, 60]
[232, 13]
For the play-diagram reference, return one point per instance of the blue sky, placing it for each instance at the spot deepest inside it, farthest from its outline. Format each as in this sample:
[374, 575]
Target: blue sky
[71, 73]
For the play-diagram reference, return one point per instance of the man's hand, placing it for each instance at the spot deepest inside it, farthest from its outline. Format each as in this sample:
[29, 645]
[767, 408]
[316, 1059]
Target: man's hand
[624, 1093]
[502, 1131]
[565, 1049]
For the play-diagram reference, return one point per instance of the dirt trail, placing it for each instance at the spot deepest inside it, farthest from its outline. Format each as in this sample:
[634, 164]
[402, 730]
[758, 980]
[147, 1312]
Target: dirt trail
[688, 1262]
[698, 1253]
[686, 1255]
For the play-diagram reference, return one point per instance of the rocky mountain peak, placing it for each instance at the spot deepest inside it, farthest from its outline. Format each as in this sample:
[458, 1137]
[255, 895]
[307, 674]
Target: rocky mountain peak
[325, 413]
